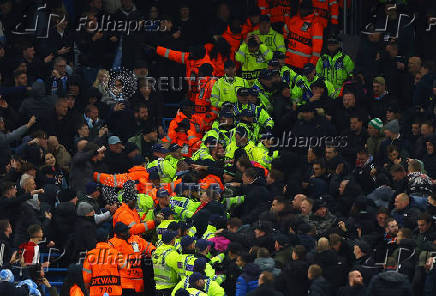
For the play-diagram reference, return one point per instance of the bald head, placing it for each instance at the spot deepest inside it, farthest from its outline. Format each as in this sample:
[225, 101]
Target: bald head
[401, 201]
[296, 202]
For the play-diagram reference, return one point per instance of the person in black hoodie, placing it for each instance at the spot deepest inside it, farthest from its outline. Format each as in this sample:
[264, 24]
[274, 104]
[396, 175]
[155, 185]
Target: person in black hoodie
[348, 191]
[65, 216]
[319, 285]
[405, 255]
[293, 279]
[390, 283]
[429, 157]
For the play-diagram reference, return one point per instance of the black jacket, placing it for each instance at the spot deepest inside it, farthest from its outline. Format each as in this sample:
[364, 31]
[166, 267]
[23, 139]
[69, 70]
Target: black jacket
[5, 250]
[352, 291]
[84, 236]
[293, 279]
[64, 218]
[10, 207]
[264, 289]
[257, 199]
[320, 287]
[390, 283]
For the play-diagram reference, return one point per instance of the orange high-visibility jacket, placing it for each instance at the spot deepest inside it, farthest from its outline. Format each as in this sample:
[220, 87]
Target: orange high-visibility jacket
[218, 62]
[326, 10]
[132, 251]
[277, 10]
[258, 165]
[305, 37]
[234, 39]
[196, 130]
[101, 271]
[191, 65]
[248, 27]
[211, 179]
[136, 173]
[131, 218]
[76, 291]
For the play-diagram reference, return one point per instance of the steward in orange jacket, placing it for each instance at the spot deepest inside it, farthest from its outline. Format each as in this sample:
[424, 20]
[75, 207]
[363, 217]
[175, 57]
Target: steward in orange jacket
[233, 35]
[192, 59]
[327, 11]
[136, 173]
[203, 107]
[304, 36]
[277, 10]
[101, 269]
[219, 52]
[252, 22]
[127, 213]
[133, 250]
[197, 126]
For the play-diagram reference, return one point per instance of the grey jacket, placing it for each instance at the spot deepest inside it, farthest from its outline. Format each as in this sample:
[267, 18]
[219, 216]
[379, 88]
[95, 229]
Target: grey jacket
[6, 139]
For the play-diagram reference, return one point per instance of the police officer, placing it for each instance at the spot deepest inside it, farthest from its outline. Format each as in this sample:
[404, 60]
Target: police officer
[165, 259]
[335, 66]
[164, 167]
[302, 92]
[188, 250]
[221, 128]
[242, 141]
[224, 90]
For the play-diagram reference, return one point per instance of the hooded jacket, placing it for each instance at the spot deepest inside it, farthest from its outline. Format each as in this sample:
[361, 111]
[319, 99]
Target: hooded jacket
[39, 102]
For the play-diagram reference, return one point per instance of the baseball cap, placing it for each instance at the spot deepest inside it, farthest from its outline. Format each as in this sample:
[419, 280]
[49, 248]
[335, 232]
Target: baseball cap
[120, 227]
[274, 63]
[306, 108]
[333, 39]
[242, 91]
[84, 209]
[91, 187]
[202, 244]
[166, 212]
[195, 277]
[229, 64]
[200, 264]
[113, 140]
[226, 114]
[162, 193]
[278, 55]
[241, 131]
[265, 74]
[264, 18]
[186, 241]
[253, 91]
[66, 195]
[174, 147]
[159, 148]
[168, 236]
[308, 68]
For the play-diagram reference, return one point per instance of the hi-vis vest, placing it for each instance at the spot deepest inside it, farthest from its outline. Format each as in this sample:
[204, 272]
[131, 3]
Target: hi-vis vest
[165, 260]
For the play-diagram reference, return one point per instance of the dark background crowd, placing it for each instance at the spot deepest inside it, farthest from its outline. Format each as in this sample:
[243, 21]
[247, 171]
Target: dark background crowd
[352, 219]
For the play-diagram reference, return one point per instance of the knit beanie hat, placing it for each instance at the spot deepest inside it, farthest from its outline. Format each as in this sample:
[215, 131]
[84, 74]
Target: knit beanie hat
[393, 126]
[129, 193]
[376, 123]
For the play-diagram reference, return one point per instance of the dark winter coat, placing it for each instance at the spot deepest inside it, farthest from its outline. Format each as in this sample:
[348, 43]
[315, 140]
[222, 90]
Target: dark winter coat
[390, 283]
[320, 287]
[293, 279]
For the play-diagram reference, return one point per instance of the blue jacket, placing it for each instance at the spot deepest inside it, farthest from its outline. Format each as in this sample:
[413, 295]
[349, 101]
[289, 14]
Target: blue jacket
[243, 287]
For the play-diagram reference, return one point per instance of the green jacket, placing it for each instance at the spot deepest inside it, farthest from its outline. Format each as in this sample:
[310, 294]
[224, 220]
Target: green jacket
[268, 156]
[212, 288]
[264, 96]
[183, 207]
[165, 168]
[217, 133]
[335, 69]
[165, 259]
[202, 154]
[272, 39]
[301, 93]
[253, 63]
[262, 116]
[254, 153]
[224, 90]
[288, 76]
